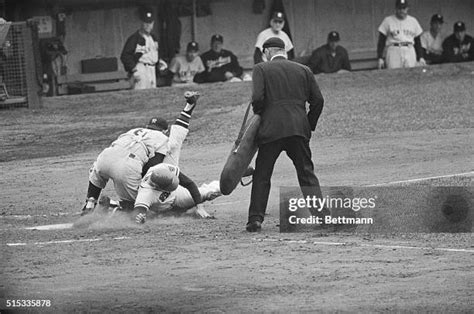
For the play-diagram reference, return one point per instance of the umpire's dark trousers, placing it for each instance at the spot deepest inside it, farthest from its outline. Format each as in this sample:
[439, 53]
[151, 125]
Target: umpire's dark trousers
[297, 148]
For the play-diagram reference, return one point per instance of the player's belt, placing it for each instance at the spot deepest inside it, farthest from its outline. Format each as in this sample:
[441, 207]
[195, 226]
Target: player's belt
[149, 64]
[132, 156]
[401, 44]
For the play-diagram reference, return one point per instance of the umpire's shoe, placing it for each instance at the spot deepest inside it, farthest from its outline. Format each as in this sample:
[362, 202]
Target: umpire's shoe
[254, 226]
[191, 97]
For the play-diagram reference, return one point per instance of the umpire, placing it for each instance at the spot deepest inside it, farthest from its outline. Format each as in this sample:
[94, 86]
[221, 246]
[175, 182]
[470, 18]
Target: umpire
[281, 89]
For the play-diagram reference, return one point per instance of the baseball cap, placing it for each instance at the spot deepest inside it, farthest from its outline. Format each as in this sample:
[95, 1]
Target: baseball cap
[333, 36]
[459, 26]
[158, 124]
[192, 46]
[278, 16]
[437, 18]
[401, 4]
[147, 17]
[217, 37]
[274, 42]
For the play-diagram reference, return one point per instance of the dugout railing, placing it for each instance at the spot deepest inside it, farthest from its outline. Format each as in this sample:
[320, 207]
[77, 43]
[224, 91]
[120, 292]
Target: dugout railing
[20, 65]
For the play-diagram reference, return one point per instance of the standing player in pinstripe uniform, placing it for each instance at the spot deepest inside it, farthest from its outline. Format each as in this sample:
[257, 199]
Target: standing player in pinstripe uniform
[400, 35]
[140, 55]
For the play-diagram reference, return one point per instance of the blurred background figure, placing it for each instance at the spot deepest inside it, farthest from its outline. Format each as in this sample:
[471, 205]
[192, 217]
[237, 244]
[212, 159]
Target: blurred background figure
[184, 68]
[221, 64]
[140, 54]
[432, 41]
[331, 57]
[277, 22]
[459, 46]
[399, 37]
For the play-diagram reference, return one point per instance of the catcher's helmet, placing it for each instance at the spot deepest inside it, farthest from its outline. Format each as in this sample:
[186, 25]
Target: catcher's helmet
[164, 177]
[158, 124]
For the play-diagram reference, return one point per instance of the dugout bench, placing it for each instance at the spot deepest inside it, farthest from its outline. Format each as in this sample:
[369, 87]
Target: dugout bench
[8, 101]
[92, 82]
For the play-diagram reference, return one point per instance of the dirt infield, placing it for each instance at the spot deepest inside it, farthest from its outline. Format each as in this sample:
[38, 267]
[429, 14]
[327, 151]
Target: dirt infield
[378, 127]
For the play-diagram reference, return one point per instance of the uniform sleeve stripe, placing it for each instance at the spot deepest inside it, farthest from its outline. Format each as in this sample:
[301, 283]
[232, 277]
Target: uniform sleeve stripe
[185, 114]
[182, 122]
[142, 205]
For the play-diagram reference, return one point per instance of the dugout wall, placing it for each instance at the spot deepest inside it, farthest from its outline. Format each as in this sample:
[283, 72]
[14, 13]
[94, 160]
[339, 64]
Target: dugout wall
[20, 66]
[99, 28]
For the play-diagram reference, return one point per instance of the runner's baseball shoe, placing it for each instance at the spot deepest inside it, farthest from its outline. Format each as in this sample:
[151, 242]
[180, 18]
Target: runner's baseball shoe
[202, 213]
[191, 97]
[89, 206]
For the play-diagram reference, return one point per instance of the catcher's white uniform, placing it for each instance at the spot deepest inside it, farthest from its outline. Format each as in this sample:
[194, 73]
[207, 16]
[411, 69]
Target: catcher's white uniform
[123, 161]
[400, 41]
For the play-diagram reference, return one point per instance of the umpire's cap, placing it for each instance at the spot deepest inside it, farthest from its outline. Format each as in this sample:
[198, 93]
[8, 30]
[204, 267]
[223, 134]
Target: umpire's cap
[274, 42]
[158, 124]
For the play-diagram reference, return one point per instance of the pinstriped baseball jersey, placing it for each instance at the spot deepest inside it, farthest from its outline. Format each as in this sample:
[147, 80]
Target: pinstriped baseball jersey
[400, 31]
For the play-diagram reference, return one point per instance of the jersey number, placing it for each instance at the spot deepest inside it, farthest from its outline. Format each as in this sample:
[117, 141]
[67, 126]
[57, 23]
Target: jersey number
[164, 196]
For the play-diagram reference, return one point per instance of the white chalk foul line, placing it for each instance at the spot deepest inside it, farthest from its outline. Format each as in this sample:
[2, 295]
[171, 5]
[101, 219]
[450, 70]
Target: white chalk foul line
[463, 174]
[227, 203]
[382, 246]
[63, 241]
[417, 248]
[51, 227]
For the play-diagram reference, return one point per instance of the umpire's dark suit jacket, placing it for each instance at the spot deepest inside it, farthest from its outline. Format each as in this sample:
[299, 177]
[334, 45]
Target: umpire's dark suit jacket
[280, 91]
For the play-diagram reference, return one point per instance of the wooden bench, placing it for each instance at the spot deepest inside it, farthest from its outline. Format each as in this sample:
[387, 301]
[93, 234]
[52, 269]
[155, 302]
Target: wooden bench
[93, 82]
[8, 101]
[363, 60]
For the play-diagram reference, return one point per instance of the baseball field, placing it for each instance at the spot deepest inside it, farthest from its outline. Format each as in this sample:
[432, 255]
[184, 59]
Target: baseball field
[378, 128]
